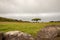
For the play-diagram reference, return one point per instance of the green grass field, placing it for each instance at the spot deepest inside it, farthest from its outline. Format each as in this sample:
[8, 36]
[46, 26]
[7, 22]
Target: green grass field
[30, 28]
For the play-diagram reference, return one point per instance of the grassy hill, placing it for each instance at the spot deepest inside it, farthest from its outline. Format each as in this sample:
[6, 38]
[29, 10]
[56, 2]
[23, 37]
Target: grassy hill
[2, 19]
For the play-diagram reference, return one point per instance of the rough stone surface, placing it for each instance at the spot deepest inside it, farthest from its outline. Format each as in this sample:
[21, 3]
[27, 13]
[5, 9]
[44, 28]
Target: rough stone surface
[17, 35]
[1, 35]
[49, 33]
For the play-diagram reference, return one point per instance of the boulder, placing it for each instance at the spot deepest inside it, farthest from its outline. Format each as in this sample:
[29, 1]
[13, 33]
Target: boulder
[1, 35]
[17, 35]
[49, 33]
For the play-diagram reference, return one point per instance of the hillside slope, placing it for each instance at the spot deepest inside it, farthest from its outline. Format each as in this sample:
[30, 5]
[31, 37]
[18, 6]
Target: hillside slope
[7, 19]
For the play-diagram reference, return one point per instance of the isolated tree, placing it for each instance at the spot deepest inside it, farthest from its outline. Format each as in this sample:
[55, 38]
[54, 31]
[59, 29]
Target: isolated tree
[36, 19]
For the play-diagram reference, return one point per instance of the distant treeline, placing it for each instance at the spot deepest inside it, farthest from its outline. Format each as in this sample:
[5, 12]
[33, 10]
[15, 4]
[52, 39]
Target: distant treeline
[2, 19]
[54, 21]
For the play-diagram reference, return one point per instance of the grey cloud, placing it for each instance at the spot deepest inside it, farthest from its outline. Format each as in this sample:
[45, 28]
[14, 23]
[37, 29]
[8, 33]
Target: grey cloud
[29, 6]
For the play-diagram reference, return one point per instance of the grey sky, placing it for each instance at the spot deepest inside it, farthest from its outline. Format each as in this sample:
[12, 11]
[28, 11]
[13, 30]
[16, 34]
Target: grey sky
[26, 9]
[29, 6]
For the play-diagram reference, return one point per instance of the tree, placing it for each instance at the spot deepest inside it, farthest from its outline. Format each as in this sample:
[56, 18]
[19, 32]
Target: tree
[36, 19]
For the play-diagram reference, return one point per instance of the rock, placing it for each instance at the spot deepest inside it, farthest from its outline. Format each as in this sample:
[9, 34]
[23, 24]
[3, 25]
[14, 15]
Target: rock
[49, 33]
[17, 35]
[1, 35]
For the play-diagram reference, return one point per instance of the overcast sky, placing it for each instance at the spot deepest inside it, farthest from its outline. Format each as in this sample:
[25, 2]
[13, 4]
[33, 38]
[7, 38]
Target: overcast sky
[47, 10]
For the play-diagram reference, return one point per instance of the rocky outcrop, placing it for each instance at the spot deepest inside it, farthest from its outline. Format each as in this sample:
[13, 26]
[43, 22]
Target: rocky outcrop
[17, 35]
[49, 33]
